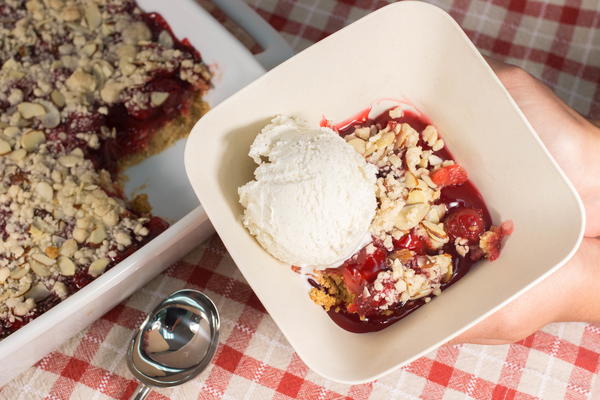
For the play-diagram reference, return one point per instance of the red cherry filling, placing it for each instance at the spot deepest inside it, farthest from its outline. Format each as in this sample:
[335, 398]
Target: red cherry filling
[449, 175]
[465, 223]
[362, 269]
[411, 241]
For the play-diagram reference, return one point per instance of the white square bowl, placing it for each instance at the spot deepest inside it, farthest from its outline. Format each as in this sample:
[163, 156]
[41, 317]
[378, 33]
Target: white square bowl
[405, 50]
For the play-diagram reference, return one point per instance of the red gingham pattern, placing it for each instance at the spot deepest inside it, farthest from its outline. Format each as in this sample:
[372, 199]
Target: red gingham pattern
[557, 41]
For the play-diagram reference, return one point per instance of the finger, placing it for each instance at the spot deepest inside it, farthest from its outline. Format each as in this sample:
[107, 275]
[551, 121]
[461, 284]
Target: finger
[495, 63]
[566, 295]
[518, 80]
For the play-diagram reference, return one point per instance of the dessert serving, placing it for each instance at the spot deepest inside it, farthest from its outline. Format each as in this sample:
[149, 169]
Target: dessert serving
[86, 88]
[399, 225]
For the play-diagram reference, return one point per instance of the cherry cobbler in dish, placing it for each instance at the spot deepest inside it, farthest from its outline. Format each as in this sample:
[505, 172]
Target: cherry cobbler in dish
[431, 225]
[86, 87]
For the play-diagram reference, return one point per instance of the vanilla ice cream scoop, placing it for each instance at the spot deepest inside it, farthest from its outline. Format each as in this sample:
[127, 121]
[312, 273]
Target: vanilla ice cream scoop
[313, 197]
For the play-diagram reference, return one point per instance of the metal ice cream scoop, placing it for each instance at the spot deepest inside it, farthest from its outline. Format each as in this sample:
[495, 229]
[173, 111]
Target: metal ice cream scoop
[175, 343]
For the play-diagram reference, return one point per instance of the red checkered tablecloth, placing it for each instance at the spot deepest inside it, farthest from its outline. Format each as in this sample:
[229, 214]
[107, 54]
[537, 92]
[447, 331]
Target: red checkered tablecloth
[558, 41]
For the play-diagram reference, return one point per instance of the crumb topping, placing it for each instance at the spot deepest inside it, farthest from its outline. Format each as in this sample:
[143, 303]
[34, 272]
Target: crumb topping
[416, 238]
[65, 64]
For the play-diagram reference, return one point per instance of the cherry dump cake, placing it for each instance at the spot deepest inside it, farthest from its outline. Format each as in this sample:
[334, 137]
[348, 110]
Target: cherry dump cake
[86, 87]
[431, 225]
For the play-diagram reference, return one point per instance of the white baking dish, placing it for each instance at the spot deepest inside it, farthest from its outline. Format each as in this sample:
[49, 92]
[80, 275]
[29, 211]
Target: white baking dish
[163, 178]
[408, 50]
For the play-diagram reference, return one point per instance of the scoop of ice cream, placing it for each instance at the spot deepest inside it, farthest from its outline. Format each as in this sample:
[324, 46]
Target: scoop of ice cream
[313, 196]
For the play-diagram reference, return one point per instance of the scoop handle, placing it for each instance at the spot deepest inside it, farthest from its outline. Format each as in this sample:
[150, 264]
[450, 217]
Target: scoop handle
[141, 392]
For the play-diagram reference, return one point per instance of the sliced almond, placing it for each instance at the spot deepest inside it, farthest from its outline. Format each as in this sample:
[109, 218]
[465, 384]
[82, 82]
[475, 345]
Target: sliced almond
[57, 98]
[434, 160]
[23, 308]
[417, 196]
[4, 147]
[111, 218]
[386, 139]
[60, 289]
[18, 155]
[80, 235]
[123, 238]
[436, 213]
[158, 98]
[52, 117]
[111, 91]
[127, 68]
[70, 13]
[97, 235]
[427, 180]
[363, 132]
[24, 285]
[430, 135]
[43, 259]
[81, 81]
[20, 271]
[410, 216]
[403, 255]
[97, 267]
[4, 295]
[11, 131]
[136, 32]
[410, 180]
[56, 4]
[397, 112]
[68, 248]
[444, 261]
[78, 153]
[439, 144]
[32, 139]
[69, 161]
[436, 231]
[67, 267]
[412, 158]
[92, 16]
[35, 232]
[358, 144]
[126, 52]
[165, 39]
[40, 269]
[31, 110]
[45, 191]
[4, 274]
[395, 161]
[84, 222]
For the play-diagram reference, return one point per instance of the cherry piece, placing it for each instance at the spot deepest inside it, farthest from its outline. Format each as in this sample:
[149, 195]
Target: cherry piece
[449, 175]
[411, 241]
[363, 268]
[465, 223]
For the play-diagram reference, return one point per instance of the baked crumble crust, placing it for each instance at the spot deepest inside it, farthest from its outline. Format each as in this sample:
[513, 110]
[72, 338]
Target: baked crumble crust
[86, 86]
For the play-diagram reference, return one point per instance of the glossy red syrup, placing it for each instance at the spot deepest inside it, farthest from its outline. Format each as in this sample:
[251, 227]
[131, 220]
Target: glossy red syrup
[459, 199]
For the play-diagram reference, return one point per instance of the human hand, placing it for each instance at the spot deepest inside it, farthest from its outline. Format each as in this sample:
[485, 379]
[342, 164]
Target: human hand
[573, 141]
[570, 294]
